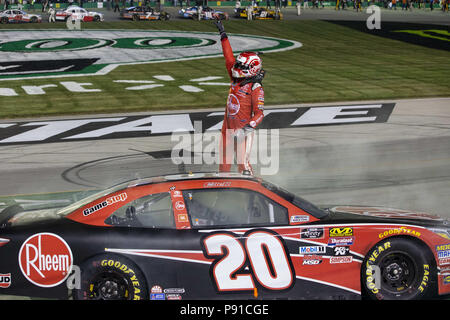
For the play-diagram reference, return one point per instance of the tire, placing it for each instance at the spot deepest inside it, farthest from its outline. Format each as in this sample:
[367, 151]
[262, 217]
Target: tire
[406, 269]
[33, 20]
[111, 277]
[136, 17]
[4, 20]
[96, 18]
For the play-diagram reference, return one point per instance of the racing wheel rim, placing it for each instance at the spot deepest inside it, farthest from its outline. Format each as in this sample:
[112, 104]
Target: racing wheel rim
[109, 286]
[399, 272]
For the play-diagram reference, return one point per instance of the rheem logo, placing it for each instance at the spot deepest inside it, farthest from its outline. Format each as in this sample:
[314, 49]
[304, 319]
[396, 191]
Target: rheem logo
[45, 259]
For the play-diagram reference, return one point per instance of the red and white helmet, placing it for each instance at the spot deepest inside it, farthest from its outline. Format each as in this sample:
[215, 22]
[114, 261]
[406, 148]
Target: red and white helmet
[248, 64]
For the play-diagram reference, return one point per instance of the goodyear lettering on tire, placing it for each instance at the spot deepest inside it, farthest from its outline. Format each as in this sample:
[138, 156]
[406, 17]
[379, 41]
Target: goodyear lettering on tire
[110, 263]
[370, 281]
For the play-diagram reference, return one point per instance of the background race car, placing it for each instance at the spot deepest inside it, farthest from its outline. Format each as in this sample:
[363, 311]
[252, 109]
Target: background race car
[207, 13]
[259, 13]
[17, 16]
[143, 13]
[217, 236]
[78, 13]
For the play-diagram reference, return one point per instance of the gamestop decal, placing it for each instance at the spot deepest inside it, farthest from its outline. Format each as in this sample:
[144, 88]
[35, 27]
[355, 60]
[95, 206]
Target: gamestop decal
[45, 260]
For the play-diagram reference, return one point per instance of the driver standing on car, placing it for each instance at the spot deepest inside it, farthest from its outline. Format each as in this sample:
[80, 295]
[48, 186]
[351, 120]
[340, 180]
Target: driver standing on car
[245, 105]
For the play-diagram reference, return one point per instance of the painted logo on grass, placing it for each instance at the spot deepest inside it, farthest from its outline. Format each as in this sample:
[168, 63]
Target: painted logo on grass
[45, 259]
[62, 53]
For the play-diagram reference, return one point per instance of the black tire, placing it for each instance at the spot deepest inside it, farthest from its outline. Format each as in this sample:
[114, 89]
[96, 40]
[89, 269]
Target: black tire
[4, 20]
[33, 20]
[96, 18]
[164, 16]
[111, 277]
[136, 17]
[406, 269]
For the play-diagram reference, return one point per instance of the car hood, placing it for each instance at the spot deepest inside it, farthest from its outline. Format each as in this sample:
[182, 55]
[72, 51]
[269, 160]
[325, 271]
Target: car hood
[383, 214]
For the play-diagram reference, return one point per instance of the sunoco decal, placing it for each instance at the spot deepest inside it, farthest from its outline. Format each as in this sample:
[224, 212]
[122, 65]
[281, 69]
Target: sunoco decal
[45, 259]
[62, 53]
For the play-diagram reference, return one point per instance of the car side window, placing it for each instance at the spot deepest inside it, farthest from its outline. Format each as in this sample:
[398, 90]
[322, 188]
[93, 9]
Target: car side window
[151, 211]
[232, 207]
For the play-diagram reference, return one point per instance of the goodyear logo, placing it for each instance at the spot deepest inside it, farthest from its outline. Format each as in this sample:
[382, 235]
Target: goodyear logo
[341, 232]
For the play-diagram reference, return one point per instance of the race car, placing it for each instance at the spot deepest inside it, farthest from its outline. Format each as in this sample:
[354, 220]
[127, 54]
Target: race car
[18, 16]
[259, 13]
[220, 236]
[207, 13]
[143, 13]
[78, 13]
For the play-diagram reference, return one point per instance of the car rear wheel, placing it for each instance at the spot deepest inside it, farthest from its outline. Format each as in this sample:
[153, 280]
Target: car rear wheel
[111, 277]
[4, 20]
[398, 268]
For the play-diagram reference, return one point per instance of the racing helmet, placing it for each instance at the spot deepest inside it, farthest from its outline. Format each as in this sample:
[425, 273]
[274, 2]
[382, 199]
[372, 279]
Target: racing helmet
[248, 64]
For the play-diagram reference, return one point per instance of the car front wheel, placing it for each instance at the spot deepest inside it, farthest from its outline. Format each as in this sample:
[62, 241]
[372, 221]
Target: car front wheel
[398, 268]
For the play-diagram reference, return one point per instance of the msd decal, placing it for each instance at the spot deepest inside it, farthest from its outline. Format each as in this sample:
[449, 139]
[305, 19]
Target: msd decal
[62, 53]
[45, 259]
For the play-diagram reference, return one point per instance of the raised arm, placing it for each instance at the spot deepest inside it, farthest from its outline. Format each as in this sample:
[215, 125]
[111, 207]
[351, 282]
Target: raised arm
[226, 47]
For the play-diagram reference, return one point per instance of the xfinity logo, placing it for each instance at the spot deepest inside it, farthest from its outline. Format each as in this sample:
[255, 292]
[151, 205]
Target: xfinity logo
[166, 124]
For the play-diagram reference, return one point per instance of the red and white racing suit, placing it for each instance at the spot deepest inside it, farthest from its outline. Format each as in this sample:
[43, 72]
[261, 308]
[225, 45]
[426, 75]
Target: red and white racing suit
[244, 111]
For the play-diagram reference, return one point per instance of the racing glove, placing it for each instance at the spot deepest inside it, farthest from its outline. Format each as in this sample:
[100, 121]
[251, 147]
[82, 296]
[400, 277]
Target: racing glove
[221, 29]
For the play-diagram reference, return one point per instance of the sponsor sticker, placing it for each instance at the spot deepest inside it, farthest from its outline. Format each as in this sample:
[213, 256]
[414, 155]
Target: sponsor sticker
[341, 251]
[341, 232]
[312, 250]
[300, 218]
[109, 201]
[156, 289]
[45, 259]
[344, 241]
[311, 233]
[312, 260]
[5, 280]
[157, 296]
[338, 259]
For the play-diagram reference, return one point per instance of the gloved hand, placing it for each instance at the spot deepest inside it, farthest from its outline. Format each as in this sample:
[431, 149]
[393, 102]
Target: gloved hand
[220, 27]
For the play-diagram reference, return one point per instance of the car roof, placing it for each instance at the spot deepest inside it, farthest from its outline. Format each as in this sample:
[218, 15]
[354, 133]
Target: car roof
[190, 176]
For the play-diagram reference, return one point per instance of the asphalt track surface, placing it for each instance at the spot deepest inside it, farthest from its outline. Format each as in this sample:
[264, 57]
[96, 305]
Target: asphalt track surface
[403, 163]
[420, 16]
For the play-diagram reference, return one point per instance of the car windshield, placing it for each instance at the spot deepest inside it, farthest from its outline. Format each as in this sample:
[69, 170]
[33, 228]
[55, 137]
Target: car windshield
[296, 200]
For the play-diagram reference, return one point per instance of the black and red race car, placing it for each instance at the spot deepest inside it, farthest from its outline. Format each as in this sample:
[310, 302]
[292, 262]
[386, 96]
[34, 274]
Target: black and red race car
[143, 13]
[220, 236]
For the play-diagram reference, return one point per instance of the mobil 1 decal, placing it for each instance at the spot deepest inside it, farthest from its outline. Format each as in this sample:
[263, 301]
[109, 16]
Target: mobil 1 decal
[61, 53]
[244, 263]
[65, 130]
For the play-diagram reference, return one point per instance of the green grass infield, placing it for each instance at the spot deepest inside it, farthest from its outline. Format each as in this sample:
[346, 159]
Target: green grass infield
[335, 63]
